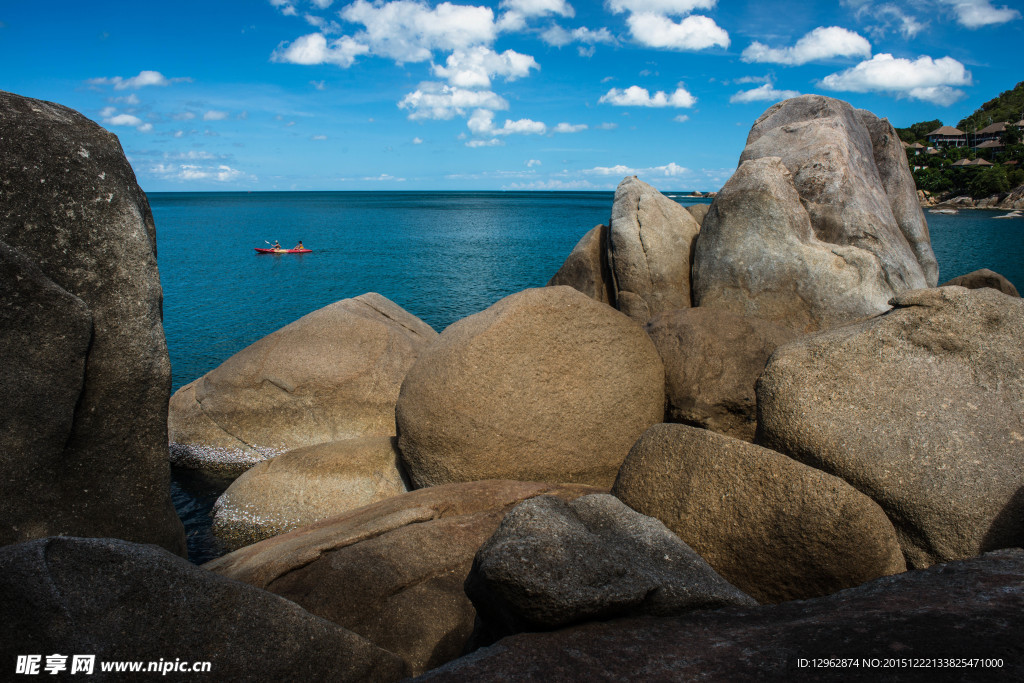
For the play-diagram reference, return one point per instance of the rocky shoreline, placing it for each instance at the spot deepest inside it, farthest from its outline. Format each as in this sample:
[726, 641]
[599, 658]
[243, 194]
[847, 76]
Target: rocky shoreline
[756, 436]
[1008, 201]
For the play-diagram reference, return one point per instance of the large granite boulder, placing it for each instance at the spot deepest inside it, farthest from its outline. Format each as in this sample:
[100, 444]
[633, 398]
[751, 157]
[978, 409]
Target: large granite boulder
[712, 361]
[901, 190]
[586, 268]
[333, 374]
[393, 571]
[552, 563]
[922, 409]
[699, 212]
[773, 527]
[128, 602]
[984, 278]
[650, 242]
[805, 233]
[545, 385]
[306, 485]
[83, 442]
[962, 621]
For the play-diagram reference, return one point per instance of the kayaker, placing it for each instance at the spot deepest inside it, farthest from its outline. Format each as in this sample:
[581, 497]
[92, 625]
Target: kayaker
[299, 245]
[277, 245]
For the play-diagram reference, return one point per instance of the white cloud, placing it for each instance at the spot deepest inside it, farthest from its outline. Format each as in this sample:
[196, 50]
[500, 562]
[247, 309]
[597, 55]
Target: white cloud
[753, 79]
[978, 13]
[482, 123]
[670, 7]
[441, 101]
[608, 126]
[322, 4]
[184, 116]
[474, 67]
[319, 85]
[417, 141]
[557, 36]
[551, 185]
[123, 120]
[569, 128]
[493, 142]
[765, 93]
[671, 169]
[821, 43]
[538, 8]
[318, 137]
[191, 172]
[635, 96]
[131, 99]
[692, 33]
[682, 118]
[408, 30]
[385, 177]
[923, 79]
[144, 79]
[214, 115]
[314, 49]
[533, 162]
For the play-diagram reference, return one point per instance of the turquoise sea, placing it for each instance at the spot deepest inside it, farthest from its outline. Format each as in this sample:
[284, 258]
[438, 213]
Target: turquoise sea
[440, 255]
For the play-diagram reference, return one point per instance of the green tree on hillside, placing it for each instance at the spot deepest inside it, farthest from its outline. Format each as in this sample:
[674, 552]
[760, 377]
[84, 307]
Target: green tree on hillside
[1009, 106]
[918, 131]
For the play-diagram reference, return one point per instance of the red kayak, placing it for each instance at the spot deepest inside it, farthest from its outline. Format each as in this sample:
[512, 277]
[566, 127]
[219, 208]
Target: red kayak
[282, 251]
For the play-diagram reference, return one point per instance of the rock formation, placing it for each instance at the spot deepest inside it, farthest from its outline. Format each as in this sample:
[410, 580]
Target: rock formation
[331, 375]
[393, 571]
[128, 602]
[586, 268]
[971, 611]
[83, 441]
[306, 485]
[984, 278]
[650, 242]
[712, 360]
[552, 563]
[545, 385]
[774, 528]
[805, 233]
[922, 409]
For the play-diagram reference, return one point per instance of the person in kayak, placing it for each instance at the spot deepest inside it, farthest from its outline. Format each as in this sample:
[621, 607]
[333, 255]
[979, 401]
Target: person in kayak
[277, 245]
[299, 246]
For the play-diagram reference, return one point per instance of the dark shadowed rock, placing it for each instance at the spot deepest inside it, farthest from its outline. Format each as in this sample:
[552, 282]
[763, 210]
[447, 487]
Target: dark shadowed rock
[552, 563]
[900, 188]
[127, 602]
[87, 315]
[393, 571]
[984, 278]
[306, 485]
[922, 409]
[971, 610]
[545, 385]
[805, 232]
[586, 269]
[333, 374]
[649, 250]
[712, 361]
[771, 526]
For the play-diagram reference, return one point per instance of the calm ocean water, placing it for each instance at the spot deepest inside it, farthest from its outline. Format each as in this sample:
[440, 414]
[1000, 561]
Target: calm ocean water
[440, 255]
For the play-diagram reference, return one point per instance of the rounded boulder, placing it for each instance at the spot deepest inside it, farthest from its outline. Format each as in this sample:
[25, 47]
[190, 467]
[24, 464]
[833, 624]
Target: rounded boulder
[545, 385]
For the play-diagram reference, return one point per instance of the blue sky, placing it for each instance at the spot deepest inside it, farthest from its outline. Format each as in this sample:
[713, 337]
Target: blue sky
[510, 94]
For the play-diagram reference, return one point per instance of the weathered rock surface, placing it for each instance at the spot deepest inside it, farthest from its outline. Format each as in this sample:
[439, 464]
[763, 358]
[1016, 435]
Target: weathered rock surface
[545, 385]
[83, 443]
[899, 186]
[773, 527]
[972, 610]
[586, 268]
[650, 242]
[333, 374]
[712, 361]
[306, 485]
[699, 212]
[984, 278]
[552, 563]
[393, 571]
[804, 233]
[922, 409]
[127, 602]
[1014, 200]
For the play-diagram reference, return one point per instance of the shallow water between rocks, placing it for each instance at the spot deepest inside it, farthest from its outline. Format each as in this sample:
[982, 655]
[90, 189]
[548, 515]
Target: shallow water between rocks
[440, 255]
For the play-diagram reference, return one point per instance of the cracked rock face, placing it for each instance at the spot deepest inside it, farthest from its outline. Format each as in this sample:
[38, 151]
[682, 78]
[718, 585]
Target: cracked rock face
[818, 226]
[649, 250]
[922, 409]
[333, 374]
[83, 435]
[393, 572]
